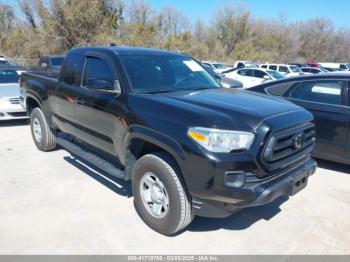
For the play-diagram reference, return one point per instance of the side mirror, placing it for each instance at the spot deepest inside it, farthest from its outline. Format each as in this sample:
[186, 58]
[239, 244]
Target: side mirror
[104, 86]
[266, 77]
[43, 65]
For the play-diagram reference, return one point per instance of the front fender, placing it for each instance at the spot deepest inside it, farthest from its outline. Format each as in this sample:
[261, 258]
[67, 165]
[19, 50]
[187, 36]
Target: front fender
[157, 138]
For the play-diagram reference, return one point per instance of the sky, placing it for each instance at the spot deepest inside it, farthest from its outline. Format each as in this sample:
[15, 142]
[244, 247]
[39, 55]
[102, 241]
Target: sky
[295, 10]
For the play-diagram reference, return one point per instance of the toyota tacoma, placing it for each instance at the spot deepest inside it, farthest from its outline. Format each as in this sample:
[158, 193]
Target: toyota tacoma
[159, 119]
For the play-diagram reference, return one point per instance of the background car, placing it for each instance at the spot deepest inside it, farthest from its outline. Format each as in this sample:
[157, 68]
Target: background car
[313, 70]
[252, 76]
[10, 107]
[299, 65]
[3, 61]
[338, 66]
[216, 66]
[49, 66]
[241, 64]
[326, 97]
[225, 82]
[287, 70]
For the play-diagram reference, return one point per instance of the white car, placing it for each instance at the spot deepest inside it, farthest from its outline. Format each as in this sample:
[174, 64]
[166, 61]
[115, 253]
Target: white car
[253, 76]
[10, 107]
[241, 64]
[339, 66]
[3, 60]
[287, 70]
[216, 66]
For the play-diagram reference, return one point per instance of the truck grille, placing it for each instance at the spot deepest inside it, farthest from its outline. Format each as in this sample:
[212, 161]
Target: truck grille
[289, 146]
[14, 100]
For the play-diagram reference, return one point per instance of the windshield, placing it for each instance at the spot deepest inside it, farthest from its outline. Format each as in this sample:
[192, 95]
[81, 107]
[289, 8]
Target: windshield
[57, 61]
[8, 76]
[219, 66]
[166, 73]
[295, 69]
[275, 74]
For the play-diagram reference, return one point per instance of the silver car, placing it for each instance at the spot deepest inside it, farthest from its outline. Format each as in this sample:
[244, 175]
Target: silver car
[10, 107]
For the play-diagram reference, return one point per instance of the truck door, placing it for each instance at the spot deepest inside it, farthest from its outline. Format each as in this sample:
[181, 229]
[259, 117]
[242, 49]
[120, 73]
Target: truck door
[100, 112]
[64, 102]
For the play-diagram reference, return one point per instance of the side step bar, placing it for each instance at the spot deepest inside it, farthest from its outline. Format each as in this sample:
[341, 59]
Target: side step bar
[92, 158]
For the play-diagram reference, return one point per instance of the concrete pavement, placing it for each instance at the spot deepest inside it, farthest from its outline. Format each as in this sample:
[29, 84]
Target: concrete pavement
[52, 204]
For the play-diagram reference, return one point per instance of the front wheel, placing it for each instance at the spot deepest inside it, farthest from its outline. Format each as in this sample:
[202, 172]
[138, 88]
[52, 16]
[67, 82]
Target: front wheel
[44, 138]
[159, 194]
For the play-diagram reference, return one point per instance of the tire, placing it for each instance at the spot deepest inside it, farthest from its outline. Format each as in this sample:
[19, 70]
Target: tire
[46, 140]
[178, 214]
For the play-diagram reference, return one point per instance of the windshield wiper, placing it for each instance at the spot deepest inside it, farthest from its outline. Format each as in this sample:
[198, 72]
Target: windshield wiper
[160, 91]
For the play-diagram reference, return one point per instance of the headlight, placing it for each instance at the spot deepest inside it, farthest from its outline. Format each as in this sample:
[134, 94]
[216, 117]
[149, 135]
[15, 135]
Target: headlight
[221, 141]
[2, 100]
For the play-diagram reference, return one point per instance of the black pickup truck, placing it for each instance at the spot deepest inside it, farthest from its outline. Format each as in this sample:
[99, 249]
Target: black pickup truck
[159, 119]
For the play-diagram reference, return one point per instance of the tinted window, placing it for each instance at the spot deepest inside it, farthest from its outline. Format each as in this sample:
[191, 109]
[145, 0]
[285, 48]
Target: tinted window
[264, 66]
[315, 71]
[166, 73]
[96, 68]
[306, 70]
[279, 90]
[295, 69]
[283, 69]
[273, 67]
[4, 62]
[245, 72]
[70, 70]
[328, 92]
[259, 73]
[8, 76]
[57, 61]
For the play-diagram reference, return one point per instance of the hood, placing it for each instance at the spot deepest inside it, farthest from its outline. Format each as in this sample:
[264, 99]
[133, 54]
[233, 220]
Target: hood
[219, 108]
[9, 90]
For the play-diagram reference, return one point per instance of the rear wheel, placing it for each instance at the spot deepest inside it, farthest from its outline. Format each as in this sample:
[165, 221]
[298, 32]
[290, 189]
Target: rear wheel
[159, 194]
[44, 138]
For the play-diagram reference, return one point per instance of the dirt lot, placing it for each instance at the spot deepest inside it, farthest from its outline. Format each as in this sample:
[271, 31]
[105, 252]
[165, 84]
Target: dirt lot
[52, 204]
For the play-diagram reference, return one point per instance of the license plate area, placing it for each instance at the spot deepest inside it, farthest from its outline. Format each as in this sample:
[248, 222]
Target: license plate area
[298, 184]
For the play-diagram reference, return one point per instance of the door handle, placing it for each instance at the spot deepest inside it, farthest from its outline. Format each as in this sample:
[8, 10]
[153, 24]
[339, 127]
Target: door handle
[79, 101]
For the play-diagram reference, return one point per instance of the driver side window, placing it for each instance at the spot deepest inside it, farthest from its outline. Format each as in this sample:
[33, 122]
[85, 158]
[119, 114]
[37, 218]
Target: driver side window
[96, 69]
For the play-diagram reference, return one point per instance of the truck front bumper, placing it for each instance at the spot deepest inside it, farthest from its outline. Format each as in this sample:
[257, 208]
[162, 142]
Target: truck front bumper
[248, 190]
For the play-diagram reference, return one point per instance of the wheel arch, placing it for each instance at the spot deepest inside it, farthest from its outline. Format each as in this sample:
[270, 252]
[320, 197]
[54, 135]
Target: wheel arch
[142, 141]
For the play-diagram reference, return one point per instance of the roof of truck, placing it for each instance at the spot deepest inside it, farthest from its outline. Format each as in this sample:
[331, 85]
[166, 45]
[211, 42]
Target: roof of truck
[129, 50]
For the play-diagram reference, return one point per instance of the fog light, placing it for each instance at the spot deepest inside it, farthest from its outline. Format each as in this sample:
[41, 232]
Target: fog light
[234, 178]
